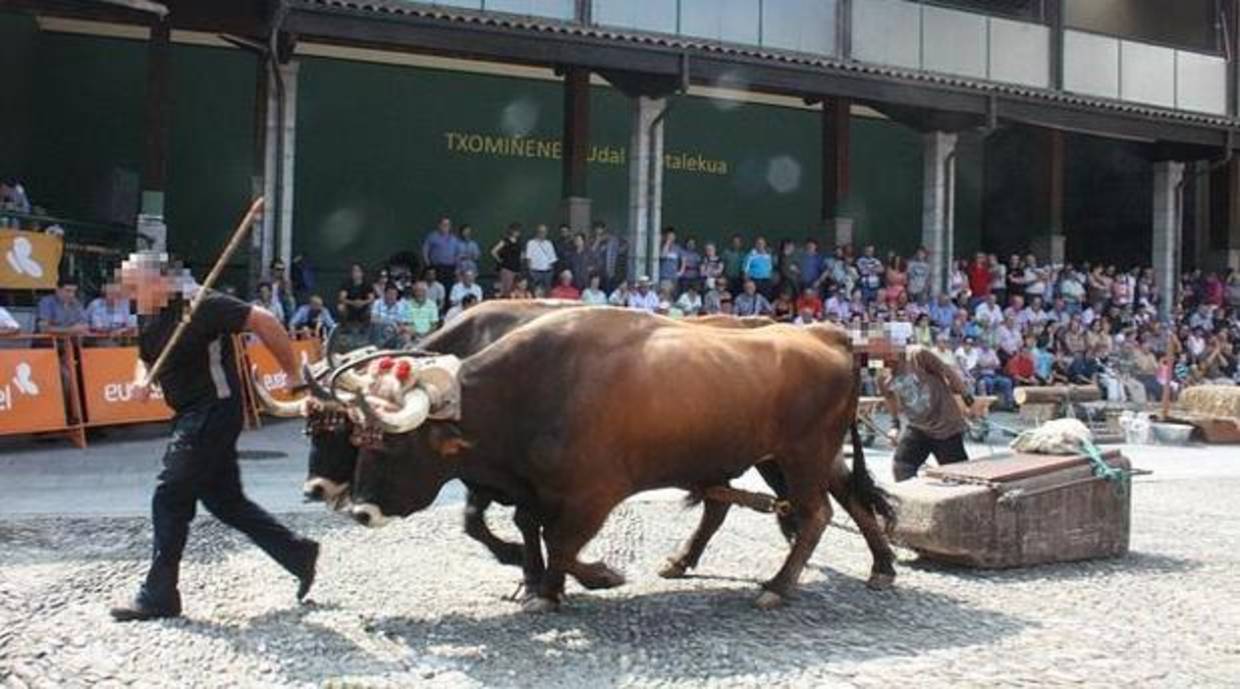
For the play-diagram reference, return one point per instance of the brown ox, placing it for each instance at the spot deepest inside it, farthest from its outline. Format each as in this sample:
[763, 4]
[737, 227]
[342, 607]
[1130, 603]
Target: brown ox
[564, 416]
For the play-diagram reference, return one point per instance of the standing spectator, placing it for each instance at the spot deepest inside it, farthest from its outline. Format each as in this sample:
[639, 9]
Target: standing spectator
[690, 302]
[564, 288]
[60, 313]
[669, 257]
[979, 279]
[998, 279]
[759, 266]
[464, 287]
[1071, 288]
[839, 272]
[467, 251]
[712, 265]
[919, 276]
[643, 299]
[580, 261]
[607, 250]
[380, 283]
[281, 288]
[734, 259]
[870, 271]
[390, 319]
[540, 258]
[896, 281]
[507, 255]
[811, 265]
[312, 316]
[958, 281]
[435, 290]
[563, 243]
[354, 298]
[788, 268]
[751, 302]
[267, 301]
[423, 313]
[110, 314]
[441, 249]
[593, 294]
[690, 265]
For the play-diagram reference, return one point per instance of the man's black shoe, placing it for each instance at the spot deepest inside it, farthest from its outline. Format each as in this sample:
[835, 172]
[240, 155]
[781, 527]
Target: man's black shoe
[138, 611]
[306, 579]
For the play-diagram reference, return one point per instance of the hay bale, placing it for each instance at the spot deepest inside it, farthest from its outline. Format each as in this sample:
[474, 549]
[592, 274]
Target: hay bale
[1212, 400]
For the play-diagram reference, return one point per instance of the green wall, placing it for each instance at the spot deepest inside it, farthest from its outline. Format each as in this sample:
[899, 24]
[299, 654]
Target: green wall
[18, 33]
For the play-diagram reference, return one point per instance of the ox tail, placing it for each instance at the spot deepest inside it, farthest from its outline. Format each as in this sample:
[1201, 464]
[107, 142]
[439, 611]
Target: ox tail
[861, 483]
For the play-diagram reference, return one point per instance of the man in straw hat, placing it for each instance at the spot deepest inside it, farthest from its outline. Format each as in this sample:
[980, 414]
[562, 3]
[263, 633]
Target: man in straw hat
[202, 385]
[922, 387]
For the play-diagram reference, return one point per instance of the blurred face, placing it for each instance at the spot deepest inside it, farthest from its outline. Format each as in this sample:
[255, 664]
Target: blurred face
[709, 249]
[356, 273]
[67, 293]
[151, 282]
[277, 270]
[445, 225]
[316, 302]
[419, 291]
[264, 293]
[750, 287]
[721, 284]
[541, 231]
[760, 244]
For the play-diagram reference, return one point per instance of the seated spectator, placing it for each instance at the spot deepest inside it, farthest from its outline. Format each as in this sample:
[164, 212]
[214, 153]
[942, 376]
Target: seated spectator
[435, 291]
[838, 305]
[943, 350]
[989, 379]
[750, 302]
[810, 300]
[110, 314]
[564, 287]
[266, 300]
[1021, 368]
[620, 295]
[520, 289]
[988, 313]
[690, 302]
[8, 324]
[923, 334]
[715, 295]
[467, 286]
[593, 293]
[1084, 368]
[643, 298]
[468, 301]
[390, 319]
[943, 312]
[60, 313]
[784, 308]
[423, 313]
[312, 316]
[354, 299]
[805, 316]
[1043, 363]
[966, 356]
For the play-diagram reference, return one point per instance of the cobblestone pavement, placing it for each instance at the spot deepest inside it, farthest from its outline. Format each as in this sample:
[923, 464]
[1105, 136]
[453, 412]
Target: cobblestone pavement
[417, 604]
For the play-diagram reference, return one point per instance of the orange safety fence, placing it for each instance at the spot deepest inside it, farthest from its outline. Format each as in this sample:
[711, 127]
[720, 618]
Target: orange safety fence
[61, 385]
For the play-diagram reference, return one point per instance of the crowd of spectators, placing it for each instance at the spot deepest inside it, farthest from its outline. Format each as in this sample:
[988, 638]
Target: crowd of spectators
[1001, 323]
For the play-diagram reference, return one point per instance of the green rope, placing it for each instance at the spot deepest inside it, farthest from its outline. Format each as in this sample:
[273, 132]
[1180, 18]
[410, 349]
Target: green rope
[1101, 469]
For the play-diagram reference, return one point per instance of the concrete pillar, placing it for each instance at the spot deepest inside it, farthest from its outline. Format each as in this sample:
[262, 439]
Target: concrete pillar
[150, 221]
[645, 186]
[836, 179]
[937, 212]
[575, 148]
[1166, 245]
[275, 236]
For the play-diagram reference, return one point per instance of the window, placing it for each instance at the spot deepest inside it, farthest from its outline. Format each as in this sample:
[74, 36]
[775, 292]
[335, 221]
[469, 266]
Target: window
[806, 26]
[646, 15]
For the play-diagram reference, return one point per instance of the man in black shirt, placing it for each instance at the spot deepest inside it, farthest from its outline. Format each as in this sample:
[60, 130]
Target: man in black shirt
[201, 384]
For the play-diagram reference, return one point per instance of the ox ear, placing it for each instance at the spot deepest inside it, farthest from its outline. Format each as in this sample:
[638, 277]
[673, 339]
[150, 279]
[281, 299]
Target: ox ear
[446, 439]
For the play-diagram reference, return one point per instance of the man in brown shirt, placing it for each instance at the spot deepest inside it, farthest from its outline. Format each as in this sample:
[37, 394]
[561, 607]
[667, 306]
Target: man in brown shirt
[922, 387]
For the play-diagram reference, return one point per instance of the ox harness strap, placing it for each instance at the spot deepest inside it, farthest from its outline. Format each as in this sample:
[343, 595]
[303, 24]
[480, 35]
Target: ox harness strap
[766, 504]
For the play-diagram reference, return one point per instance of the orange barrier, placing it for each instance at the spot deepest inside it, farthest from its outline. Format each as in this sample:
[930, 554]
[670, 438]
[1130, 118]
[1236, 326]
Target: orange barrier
[33, 386]
[253, 354]
[107, 384]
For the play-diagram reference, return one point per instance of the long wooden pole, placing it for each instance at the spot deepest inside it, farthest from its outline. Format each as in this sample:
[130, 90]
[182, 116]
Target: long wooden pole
[229, 249]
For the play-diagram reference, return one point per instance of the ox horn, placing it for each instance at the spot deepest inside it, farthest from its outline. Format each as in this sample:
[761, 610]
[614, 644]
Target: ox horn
[274, 406]
[413, 412]
[316, 388]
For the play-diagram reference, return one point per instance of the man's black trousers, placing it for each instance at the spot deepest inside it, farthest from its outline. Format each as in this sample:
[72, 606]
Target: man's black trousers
[201, 464]
[914, 447]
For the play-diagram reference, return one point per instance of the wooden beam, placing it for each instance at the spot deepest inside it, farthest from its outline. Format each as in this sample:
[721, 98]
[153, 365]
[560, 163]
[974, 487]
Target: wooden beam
[575, 147]
[836, 154]
[155, 159]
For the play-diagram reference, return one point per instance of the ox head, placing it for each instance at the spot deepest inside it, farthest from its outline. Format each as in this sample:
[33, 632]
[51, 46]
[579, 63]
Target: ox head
[406, 407]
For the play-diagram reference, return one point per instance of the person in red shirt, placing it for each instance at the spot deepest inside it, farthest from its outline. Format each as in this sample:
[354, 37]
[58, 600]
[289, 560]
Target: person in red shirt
[565, 288]
[811, 302]
[1020, 368]
[979, 279]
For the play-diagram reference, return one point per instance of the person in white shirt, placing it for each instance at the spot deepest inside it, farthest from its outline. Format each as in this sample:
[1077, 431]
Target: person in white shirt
[988, 313]
[690, 301]
[643, 298]
[593, 295]
[967, 357]
[540, 258]
[8, 324]
[465, 287]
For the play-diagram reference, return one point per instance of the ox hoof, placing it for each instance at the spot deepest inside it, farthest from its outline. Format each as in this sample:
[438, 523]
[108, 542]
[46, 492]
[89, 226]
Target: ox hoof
[598, 575]
[768, 600]
[880, 582]
[673, 570]
[538, 605]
